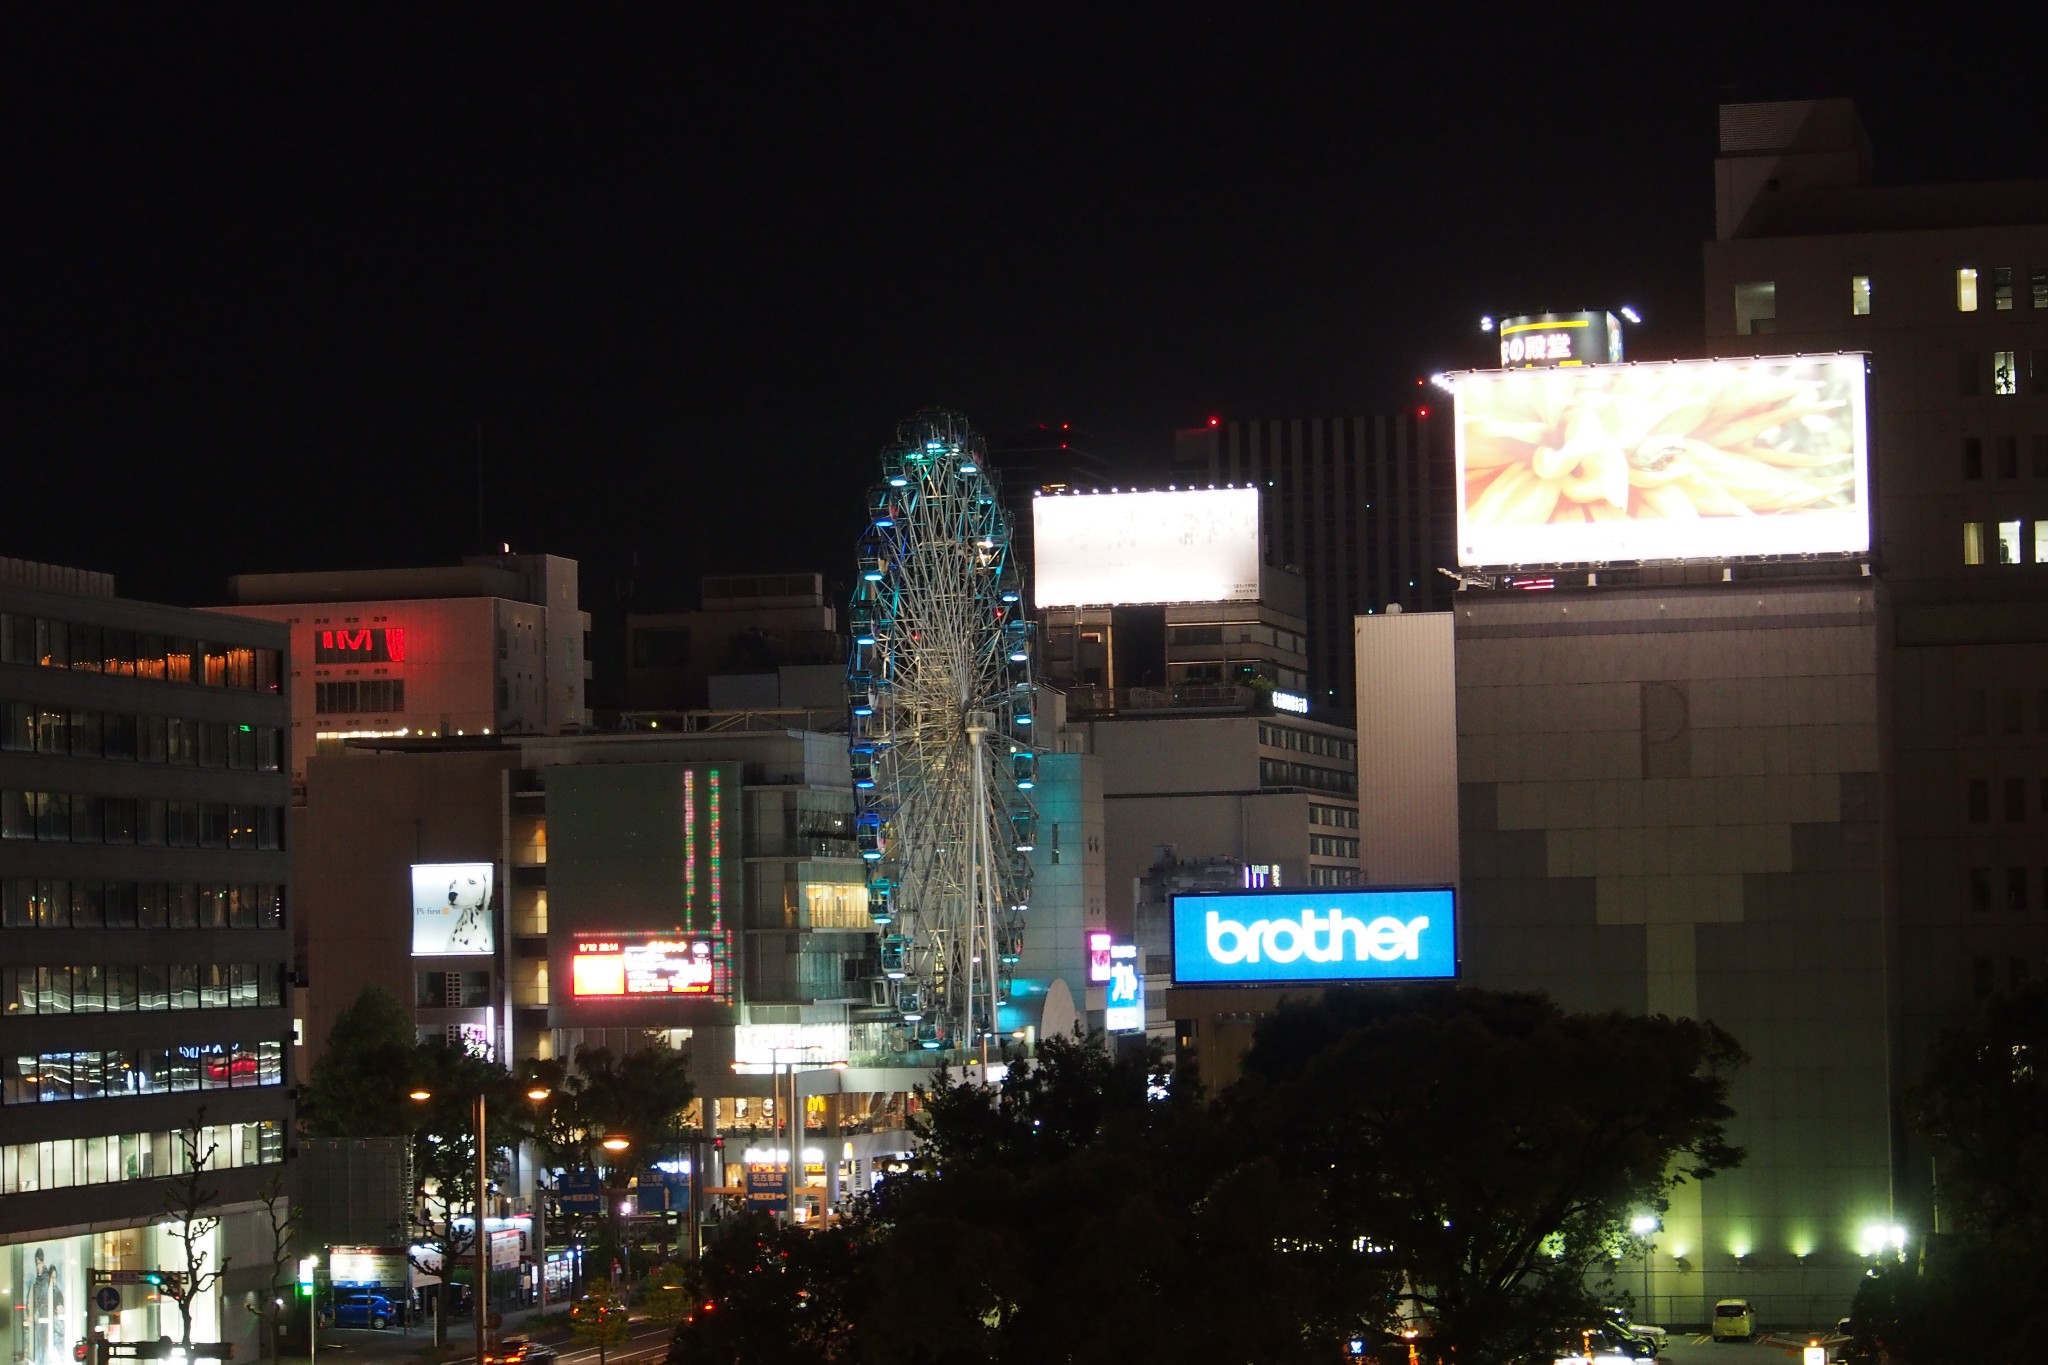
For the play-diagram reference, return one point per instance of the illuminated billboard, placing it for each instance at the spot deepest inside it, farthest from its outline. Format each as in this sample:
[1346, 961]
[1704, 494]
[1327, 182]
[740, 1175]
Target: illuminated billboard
[1317, 936]
[451, 909]
[1711, 459]
[1098, 956]
[642, 964]
[1125, 998]
[1560, 339]
[1119, 549]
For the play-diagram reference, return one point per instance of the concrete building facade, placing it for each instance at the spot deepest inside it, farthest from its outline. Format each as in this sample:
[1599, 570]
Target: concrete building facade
[145, 956]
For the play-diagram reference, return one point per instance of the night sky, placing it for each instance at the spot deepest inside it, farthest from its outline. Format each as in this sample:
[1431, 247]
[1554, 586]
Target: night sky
[270, 274]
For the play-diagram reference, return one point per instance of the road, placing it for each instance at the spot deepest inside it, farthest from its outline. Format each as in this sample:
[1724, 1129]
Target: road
[362, 1346]
[1771, 1348]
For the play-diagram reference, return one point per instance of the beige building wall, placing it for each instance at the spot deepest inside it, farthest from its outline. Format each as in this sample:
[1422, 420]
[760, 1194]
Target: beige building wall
[1673, 803]
[1407, 750]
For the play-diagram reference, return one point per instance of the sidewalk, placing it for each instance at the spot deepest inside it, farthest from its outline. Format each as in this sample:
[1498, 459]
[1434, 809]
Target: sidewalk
[393, 1346]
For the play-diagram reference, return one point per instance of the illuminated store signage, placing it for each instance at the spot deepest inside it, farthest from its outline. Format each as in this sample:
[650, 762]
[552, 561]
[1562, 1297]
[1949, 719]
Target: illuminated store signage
[644, 964]
[1126, 998]
[1259, 939]
[1560, 339]
[367, 645]
[1098, 956]
[1289, 701]
[451, 909]
[1719, 459]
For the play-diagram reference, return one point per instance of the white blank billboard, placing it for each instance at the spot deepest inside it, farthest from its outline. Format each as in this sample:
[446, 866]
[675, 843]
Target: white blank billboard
[1706, 459]
[451, 909]
[1117, 549]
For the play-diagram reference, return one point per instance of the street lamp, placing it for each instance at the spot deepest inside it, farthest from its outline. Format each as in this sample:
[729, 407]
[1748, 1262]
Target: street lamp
[1643, 1225]
[421, 1094]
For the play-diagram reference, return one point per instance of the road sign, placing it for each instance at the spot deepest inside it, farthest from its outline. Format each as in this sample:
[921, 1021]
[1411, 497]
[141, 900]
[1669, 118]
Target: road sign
[107, 1299]
[581, 1192]
[766, 1191]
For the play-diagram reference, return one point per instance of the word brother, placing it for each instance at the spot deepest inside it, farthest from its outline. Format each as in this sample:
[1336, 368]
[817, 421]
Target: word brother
[1317, 937]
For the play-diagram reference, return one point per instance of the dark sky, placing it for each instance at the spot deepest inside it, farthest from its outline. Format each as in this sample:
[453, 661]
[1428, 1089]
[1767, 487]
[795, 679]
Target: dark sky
[268, 273]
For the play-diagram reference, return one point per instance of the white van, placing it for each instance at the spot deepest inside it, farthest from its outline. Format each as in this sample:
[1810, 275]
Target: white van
[1734, 1320]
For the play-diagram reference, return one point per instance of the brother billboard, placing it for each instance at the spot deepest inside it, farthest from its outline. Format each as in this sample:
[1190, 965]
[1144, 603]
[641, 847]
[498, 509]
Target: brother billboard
[1315, 936]
[451, 909]
[1126, 549]
[1710, 459]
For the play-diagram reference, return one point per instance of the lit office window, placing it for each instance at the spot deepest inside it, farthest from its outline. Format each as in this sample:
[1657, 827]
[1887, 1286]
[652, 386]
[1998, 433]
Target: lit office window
[1973, 542]
[1966, 289]
[2005, 373]
[1859, 295]
[2038, 278]
[2008, 542]
[1756, 308]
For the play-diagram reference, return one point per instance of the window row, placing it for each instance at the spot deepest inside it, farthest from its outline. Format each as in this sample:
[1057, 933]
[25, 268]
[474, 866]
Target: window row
[124, 1073]
[1984, 979]
[65, 818]
[1989, 891]
[2010, 705]
[1278, 772]
[124, 653]
[370, 696]
[2005, 542]
[1336, 817]
[88, 903]
[1333, 876]
[28, 1167]
[28, 727]
[2005, 452]
[1970, 282]
[95, 989]
[2004, 371]
[2012, 803]
[1306, 742]
[1332, 846]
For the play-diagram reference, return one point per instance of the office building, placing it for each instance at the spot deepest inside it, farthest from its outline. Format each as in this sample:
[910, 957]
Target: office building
[1357, 506]
[494, 645]
[146, 958]
[749, 625]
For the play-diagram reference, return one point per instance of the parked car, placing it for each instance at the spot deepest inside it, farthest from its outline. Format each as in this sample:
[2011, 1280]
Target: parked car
[1734, 1320]
[361, 1310]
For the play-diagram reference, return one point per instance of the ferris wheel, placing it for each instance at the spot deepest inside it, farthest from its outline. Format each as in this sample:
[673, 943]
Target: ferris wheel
[940, 691]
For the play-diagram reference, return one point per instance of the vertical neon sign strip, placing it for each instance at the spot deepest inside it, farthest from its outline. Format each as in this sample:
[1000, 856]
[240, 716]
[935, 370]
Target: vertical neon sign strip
[689, 848]
[717, 860]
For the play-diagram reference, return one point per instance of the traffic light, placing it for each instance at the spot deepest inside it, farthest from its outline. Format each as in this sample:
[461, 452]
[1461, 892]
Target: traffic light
[154, 1277]
[718, 1144]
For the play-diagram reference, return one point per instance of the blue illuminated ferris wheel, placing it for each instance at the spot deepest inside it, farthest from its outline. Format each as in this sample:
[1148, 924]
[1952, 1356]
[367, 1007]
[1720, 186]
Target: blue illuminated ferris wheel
[940, 693]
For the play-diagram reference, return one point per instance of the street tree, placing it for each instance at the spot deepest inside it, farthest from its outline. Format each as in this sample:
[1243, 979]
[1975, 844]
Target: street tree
[358, 1087]
[282, 1222]
[600, 1320]
[1970, 1294]
[191, 1195]
[1483, 1151]
[767, 1294]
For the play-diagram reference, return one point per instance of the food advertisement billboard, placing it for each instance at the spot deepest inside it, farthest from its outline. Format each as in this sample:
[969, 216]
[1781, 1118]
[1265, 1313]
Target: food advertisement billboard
[1268, 938]
[451, 909]
[1710, 459]
[639, 965]
[1123, 549]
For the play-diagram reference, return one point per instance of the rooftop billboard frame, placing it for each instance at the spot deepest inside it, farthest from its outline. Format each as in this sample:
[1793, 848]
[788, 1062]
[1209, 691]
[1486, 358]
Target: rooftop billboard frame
[1145, 547]
[1674, 460]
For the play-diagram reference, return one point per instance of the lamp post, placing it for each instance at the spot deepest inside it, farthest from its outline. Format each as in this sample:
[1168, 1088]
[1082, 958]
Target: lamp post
[1643, 1225]
[483, 1189]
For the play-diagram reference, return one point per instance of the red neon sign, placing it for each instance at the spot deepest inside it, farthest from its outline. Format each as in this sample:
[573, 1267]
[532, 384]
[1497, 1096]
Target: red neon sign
[368, 644]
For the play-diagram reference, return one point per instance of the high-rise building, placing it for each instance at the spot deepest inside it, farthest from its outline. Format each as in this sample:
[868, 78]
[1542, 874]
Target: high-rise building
[1946, 288]
[144, 956]
[744, 625]
[1359, 507]
[494, 645]
[1733, 764]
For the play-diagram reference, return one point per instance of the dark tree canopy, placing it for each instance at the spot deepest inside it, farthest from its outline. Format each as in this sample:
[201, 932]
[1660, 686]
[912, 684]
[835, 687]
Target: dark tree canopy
[358, 1087]
[1972, 1294]
[1488, 1148]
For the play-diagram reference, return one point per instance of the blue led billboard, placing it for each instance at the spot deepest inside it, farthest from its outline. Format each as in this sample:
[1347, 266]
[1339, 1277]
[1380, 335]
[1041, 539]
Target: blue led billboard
[1314, 936]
